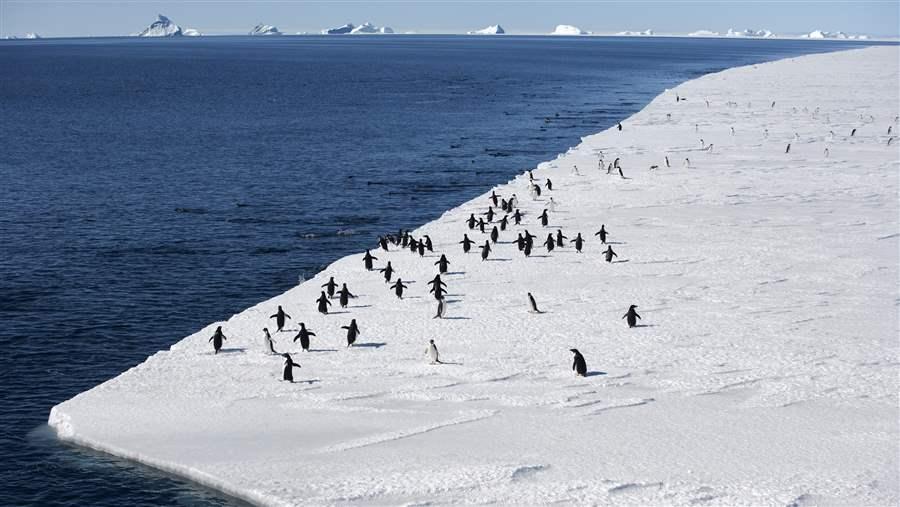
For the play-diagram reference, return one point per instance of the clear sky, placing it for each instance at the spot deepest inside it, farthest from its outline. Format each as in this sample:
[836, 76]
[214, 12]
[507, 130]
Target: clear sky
[57, 18]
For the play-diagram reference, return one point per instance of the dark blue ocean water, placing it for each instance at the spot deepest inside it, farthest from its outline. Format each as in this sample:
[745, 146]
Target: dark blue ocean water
[149, 187]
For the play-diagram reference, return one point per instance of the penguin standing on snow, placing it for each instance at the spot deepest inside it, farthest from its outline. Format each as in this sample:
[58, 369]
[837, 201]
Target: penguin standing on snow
[432, 352]
[267, 341]
[550, 184]
[495, 234]
[466, 243]
[303, 336]
[609, 254]
[413, 245]
[441, 309]
[494, 197]
[421, 249]
[520, 242]
[352, 332]
[388, 272]
[601, 233]
[330, 286]
[289, 366]
[578, 365]
[504, 222]
[544, 218]
[579, 242]
[632, 316]
[398, 288]
[485, 250]
[442, 264]
[517, 217]
[217, 339]
[345, 295]
[550, 243]
[382, 242]
[490, 214]
[279, 318]
[532, 305]
[323, 303]
[471, 221]
[367, 259]
[428, 244]
[438, 287]
[619, 126]
[560, 239]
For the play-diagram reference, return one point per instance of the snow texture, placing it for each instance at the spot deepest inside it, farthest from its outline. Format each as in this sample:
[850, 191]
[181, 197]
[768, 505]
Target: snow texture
[568, 30]
[764, 370]
[489, 30]
[162, 27]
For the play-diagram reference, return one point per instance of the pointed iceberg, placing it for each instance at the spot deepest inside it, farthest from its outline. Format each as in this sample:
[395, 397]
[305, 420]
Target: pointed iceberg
[162, 27]
[262, 29]
[490, 30]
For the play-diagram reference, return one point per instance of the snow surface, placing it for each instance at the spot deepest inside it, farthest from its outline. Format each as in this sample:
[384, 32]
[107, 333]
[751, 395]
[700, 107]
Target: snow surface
[766, 372]
[488, 30]
[568, 30]
[262, 29]
[162, 27]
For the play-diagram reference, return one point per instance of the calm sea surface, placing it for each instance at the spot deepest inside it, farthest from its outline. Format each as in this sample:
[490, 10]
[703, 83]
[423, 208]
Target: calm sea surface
[149, 187]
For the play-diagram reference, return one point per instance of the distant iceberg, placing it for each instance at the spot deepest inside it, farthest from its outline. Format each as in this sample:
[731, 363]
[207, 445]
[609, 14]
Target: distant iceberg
[262, 29]
[490, 30]
[761, 34]
[190, 32]
[339, 30]
[703, 33]
[32, 35]
[568, 30]
[370, 28]
[821, 34]
[162, 27]
[629, 33]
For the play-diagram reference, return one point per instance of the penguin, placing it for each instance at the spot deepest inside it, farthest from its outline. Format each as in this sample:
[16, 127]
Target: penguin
[732, 131]
[549, 184]
[490, 214]
[398, 288]
[367, 259]
[616, 163]
[481, 225]
[330, 286]
[413, 245]
[537, 190]
[267, 341]
[504, 222]
[852, 132]
[532, 305]
[602, 234]
[441, 309]
[494, 197]
[550, 243]
[485, 250]
[609, 168]
[621, 174]
[303, 336]
[471, 221]
[687, 162]
[517, 217]
[432, 352]
[609, 254]
[323, 303]
[826, 153]
[217, 339]
[889, 129]
[529, 239]
[619, 126]
[504, 204]
[437, 286]
[345, 295]
[560, 239]
[289, 366]
[578, 365]
[279, 318]
[428, 244]
[442, 264]
[352, 332]
[632, 316]
[667, 161]
[545, 218]
[788, 149]
[552, 205]
[579, 243]
[382, 242]
[495, 234]
[388, 272]
[421, 249]
[520, 242]
[527, 250]
[466, 243]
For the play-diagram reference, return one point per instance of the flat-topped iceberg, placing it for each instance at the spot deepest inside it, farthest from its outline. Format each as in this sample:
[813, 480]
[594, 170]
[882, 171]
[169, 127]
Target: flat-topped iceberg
[821, 34]
[190, 32]
[262, 29]
[568, 30]
[162, 27]
[629, 33]
[703, 33]
[762, 34]
[489, 30]
[367, 28]
[339, 30]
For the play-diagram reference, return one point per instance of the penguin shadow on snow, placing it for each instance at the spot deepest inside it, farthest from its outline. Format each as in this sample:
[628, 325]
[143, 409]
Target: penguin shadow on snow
[620, 261]
[501, 259]
[358, 306]
[321, 350]
[645, 325]
[369, 345]
[594, 373]
[456, 273]
[230, 350]
[337, 312]
[310, 381]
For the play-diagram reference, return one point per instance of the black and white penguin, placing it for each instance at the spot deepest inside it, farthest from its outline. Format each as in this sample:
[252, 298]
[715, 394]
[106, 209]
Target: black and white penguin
[616, 163]
[303, 336]
[545, 218]
[550, 243]
[367, 259]
[352, 332]
[466, 243]
[388, 272]
[601, 233]
[667, 161]
[495, 234]
[494, 197]
[852, 132]
[268, 343]
[413, 245]
[398, 288]
[442, 264]
[481, 225]
[788, 149]
[344, 295]
[632, 316]
[578, 365]
[517, 217]
[289, 365]
[382, 242]
[560, 239]
[609, 253]
[330, 286]
[323, 303]
[532, 304]
[579, 242]
[437, 286]
[490, 214]
[549, 184]
[471, 221]
[520, 242]
[217, 339]
[504, 222]
[428, 244]
[421, 249]
[528, 246]
[279, 318]
[621, 174]
[432, 352]
[441, 308]
[485, 250]
[619, 126]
